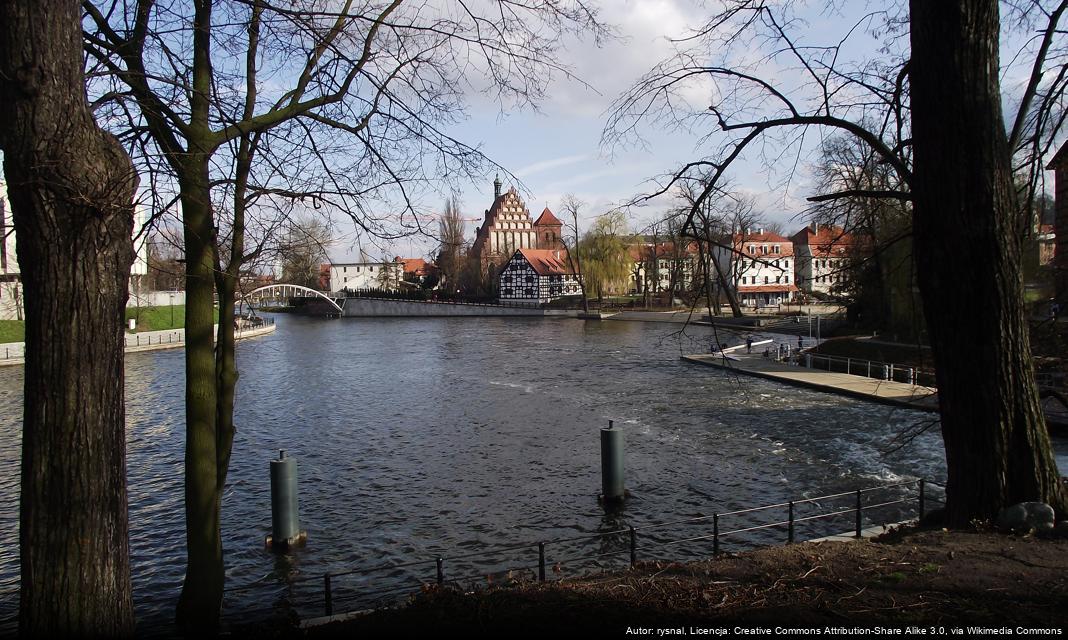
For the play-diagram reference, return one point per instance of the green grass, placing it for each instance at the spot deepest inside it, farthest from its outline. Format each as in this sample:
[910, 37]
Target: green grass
[148, 319]
[159, 318]
[12, 331]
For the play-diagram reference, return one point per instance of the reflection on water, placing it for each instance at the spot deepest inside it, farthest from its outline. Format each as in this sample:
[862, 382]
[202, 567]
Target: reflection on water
[418, 437]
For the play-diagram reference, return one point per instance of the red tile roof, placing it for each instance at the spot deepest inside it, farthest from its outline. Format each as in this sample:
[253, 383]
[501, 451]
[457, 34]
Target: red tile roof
[744, 241]
[417, 266]
[547, 262]
[829, 241]
[547, 218]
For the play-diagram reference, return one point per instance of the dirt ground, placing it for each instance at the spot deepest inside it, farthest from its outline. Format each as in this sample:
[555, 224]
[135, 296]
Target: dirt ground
[928, 578]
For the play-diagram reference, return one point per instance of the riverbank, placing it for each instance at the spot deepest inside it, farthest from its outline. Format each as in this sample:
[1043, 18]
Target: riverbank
[911, 577]
[13, 353]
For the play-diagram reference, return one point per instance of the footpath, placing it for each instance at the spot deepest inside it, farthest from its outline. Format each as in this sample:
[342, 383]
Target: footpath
[14, 353]
[756, 364]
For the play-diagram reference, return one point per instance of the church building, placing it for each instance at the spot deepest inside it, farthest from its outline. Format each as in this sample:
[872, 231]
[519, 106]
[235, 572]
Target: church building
[508, 227]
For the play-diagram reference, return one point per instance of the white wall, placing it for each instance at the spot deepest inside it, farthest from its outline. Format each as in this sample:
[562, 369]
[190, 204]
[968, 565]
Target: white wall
[366, 275]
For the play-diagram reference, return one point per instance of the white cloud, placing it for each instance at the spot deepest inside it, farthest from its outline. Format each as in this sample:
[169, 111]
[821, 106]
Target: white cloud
[555, 163]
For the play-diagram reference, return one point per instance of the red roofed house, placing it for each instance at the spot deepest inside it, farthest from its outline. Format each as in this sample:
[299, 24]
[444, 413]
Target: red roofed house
[537, 276]
[659, 266]
[823, 254]
[415, 270]
[761, 268]
[508, 226]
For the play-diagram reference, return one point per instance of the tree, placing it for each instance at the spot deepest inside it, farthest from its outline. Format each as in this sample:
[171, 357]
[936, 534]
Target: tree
[603, 253]
[71, 188]
[339, 107]
[930, 109]
[303, 251]
[451, 238]
[881, 284]
[572, 207]
[166, 267]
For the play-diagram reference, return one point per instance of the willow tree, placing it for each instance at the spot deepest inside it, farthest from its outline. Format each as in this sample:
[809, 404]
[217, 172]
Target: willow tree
[604, 255]
[71, 188]
[929, 106]
[343, 106]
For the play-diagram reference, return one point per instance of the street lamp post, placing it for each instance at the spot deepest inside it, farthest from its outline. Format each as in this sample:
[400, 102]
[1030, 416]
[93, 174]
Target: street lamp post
[172, 310]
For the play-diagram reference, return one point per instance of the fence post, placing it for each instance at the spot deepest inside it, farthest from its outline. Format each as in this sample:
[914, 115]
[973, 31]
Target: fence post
[633, 547]
[922, 498]
[847, 366]
[327, 595]
[912, 375]
[441, 571]
[858, 514]
[891, 377]
[715, 534]
[790, 530]
[869, 368]
[541, 562]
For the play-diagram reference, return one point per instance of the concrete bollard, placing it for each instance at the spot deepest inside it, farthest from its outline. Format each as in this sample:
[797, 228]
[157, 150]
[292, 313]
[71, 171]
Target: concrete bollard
[285, 515]
[911, 375]
[808, 360]
[612, 464]
[886, 372]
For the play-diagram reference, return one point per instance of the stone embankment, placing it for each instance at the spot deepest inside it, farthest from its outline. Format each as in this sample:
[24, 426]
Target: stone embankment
[13, 353]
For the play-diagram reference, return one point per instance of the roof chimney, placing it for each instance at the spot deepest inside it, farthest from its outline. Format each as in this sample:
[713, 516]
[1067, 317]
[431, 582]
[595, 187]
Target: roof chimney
[760, 230]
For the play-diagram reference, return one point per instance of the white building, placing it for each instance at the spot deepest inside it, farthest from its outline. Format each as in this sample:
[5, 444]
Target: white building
[11, 303]
[10, 285]
[356, 276]
[537, 276]
[657, 277]
[760, 268]
[824, 255]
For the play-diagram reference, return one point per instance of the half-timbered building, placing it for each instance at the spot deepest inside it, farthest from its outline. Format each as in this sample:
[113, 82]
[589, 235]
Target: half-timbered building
[537, 276]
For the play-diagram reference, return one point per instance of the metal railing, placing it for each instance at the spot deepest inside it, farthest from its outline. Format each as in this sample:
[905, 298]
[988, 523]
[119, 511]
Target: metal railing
[868, 368]
[702, 535]
[172, 337]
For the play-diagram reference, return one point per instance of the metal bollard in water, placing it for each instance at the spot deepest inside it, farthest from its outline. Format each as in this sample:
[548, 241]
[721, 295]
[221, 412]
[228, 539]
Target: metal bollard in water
[612, 463]
[285, 517]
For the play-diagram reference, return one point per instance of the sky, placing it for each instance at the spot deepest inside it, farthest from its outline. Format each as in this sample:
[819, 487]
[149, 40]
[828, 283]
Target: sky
[557, 150]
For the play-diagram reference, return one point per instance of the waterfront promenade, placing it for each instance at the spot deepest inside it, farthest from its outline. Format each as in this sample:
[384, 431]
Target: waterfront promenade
[889, 392]
[13, 353]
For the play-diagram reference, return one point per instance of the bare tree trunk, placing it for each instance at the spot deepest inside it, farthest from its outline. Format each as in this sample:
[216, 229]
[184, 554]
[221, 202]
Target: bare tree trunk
[71, 188]
[969, 259]
[201, 598]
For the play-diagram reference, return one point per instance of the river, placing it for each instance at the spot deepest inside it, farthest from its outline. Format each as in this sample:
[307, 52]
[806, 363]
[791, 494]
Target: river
[422, 437]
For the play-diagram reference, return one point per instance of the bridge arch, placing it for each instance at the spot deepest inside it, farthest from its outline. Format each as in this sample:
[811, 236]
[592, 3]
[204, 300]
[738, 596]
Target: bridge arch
[293, 291]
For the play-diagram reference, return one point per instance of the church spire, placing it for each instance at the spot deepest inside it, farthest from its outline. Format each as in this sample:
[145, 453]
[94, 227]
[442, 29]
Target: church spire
[497, 186]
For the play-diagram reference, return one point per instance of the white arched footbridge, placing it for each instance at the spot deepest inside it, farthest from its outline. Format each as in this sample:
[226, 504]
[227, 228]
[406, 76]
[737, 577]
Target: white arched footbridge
[287, 291]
